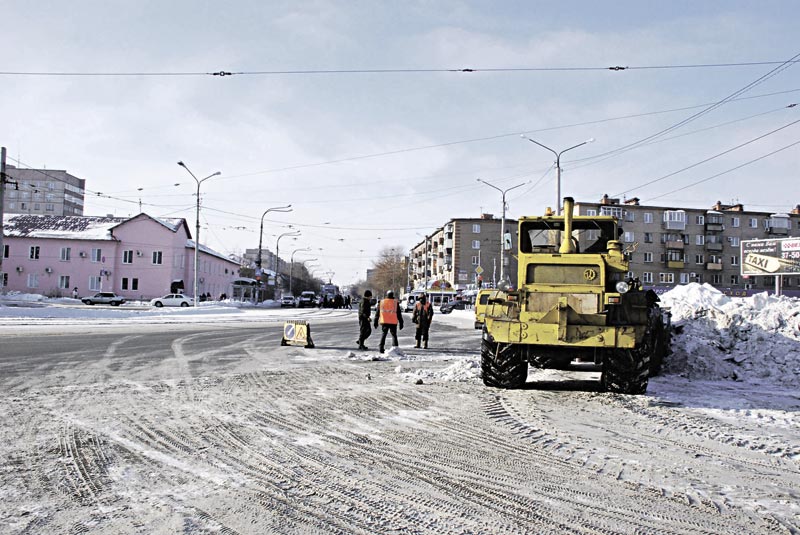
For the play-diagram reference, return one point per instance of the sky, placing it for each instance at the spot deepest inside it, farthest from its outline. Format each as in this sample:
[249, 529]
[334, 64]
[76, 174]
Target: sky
[360, 116]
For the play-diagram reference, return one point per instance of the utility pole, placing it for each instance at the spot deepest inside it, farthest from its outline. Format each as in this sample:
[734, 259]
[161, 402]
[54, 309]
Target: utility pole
[2, 199]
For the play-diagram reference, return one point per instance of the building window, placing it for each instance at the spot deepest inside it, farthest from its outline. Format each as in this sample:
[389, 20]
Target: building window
[699, 259]
[734, 260]
[591, 212]
[51, 185]
[716, 278]
[49, 207]
[66, 253]
[5, 251]
[97, 255]
[675, 216]
[684, 278]
[699, 220]
[628, 237]
[648, 237]
[753, 222]
[33, 280]
[666, 278]
[630, 216]
[647, 277]
[474, 261]
[734, 241]
[648, 257]
[700, 239]
[157, 257]
[127, 257]
[615, 211]
[734, 221]
[648, 217]
[124, 285]
[134, 284]
[476, 244]
[715, 259]
[63, 282]
[94, 284]
[734, 279]
[476, 228]
[34, 255]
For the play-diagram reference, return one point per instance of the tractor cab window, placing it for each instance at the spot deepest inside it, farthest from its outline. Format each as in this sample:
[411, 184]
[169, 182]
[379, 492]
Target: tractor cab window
[544, 236]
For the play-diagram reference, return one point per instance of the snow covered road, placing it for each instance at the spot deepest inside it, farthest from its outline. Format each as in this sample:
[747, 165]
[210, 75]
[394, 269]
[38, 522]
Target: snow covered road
[244, 436]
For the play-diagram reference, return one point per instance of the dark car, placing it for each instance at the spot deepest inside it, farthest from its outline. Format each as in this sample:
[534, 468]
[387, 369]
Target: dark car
[104, 298]
[450, 306]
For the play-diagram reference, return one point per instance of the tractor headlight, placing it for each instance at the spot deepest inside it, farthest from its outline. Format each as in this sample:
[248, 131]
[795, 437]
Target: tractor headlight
[623, 287]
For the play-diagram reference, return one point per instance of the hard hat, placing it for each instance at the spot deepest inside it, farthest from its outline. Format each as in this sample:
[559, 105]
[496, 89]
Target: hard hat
[390, 294]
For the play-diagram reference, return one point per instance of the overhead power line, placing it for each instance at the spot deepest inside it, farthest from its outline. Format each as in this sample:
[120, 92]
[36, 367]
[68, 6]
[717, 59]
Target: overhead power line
[224, 73]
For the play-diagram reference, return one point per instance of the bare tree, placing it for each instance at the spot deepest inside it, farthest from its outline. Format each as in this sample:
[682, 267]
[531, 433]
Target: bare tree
[389, 271]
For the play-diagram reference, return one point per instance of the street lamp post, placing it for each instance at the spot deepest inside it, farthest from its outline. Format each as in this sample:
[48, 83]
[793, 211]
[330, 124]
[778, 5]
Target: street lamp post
[502, 223]
[287, 208]
[197, 224]
[558, 165]
[277, 252]
[291, 266]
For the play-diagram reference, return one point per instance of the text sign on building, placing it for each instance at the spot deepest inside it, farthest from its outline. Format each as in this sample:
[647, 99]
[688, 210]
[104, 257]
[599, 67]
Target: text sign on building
[771, 257]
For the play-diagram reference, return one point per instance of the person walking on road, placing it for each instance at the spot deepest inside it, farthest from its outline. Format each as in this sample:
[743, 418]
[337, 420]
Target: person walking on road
[423, 316]
[390, 317]
[364, 310]
[75, 293]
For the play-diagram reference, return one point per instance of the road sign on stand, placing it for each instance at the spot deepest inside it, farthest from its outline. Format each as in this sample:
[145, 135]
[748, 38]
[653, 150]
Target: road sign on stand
[479, 270]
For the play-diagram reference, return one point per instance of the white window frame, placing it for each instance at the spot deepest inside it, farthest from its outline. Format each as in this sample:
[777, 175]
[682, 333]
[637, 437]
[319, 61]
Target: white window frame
[648, 217]
[666, 278]
[97, 255]
[33, 254]
[476, 244]
[699, 220]
[474, 260]
[127, 256]
[753, 223]
[684, 277]
[476, 228]
[66, 254]
[735, 221]
[735, 260]
[700, 239]
[63, 282]
[647, 277]
[648, 257]
[591, 212]
[33, 280]
[95, 283]
[158, 258]
[734, 241]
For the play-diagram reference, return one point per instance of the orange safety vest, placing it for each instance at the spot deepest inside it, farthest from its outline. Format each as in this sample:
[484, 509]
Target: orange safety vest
[426, 306]
[388, 312]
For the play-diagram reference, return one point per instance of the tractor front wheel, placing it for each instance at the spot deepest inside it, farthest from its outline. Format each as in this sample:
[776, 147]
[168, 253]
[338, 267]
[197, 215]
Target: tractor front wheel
[502, 365]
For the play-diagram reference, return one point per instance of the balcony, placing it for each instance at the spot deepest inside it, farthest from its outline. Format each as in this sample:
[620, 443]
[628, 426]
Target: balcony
[674, 225]
[714, 227]
[713, 266]
[677, 245]
[448, 243]
[676, 264]
[713, 246]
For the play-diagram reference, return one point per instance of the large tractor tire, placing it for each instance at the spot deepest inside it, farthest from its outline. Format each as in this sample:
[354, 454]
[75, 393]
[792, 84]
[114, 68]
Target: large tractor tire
[626, 371]
[502, 365]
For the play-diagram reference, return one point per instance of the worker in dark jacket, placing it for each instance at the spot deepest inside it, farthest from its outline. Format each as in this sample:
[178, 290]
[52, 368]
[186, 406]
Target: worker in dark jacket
[390, 317]
[364, 310]
[423, 316]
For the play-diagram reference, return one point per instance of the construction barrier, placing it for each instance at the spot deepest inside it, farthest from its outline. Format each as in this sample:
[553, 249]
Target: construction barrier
[297, 333]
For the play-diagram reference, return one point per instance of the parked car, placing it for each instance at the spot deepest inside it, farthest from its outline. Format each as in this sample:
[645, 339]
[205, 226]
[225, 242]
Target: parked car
[307, 299]
[287, 301]
[172, 300]
[104, 298]
[450, 306]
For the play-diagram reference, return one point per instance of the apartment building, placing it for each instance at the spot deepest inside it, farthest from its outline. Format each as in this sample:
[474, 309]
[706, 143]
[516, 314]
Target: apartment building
[43, 192]
[672, 245]
[140, 257]
[462, 250]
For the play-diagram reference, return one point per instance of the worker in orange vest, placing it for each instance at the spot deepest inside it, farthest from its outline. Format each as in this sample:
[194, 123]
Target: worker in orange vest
[390, 317]
[423, 316]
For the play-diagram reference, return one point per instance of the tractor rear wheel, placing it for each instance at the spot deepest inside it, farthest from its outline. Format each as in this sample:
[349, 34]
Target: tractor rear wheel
[502, 365]
[626, 371]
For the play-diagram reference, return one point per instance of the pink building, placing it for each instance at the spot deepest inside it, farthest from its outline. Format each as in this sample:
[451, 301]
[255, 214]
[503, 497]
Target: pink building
[138, 258]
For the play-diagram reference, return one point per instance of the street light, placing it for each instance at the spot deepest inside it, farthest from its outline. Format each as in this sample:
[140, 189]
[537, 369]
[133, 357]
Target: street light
[277, 252]
[287, 208]
[503, 223]
[197, 224]
[558, 165]
[291, 266]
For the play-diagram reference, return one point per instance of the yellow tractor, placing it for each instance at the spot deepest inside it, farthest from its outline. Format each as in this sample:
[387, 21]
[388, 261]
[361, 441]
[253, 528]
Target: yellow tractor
[574, 306]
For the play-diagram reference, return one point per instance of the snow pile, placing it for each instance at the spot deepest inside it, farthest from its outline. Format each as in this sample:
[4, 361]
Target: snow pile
[753, 339]
[461, 371]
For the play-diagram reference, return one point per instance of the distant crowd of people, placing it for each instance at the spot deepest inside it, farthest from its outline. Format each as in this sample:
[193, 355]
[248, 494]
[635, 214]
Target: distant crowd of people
[337, 301]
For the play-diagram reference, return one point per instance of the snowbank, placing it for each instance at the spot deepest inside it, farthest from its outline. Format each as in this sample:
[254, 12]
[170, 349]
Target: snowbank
[753, 339]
